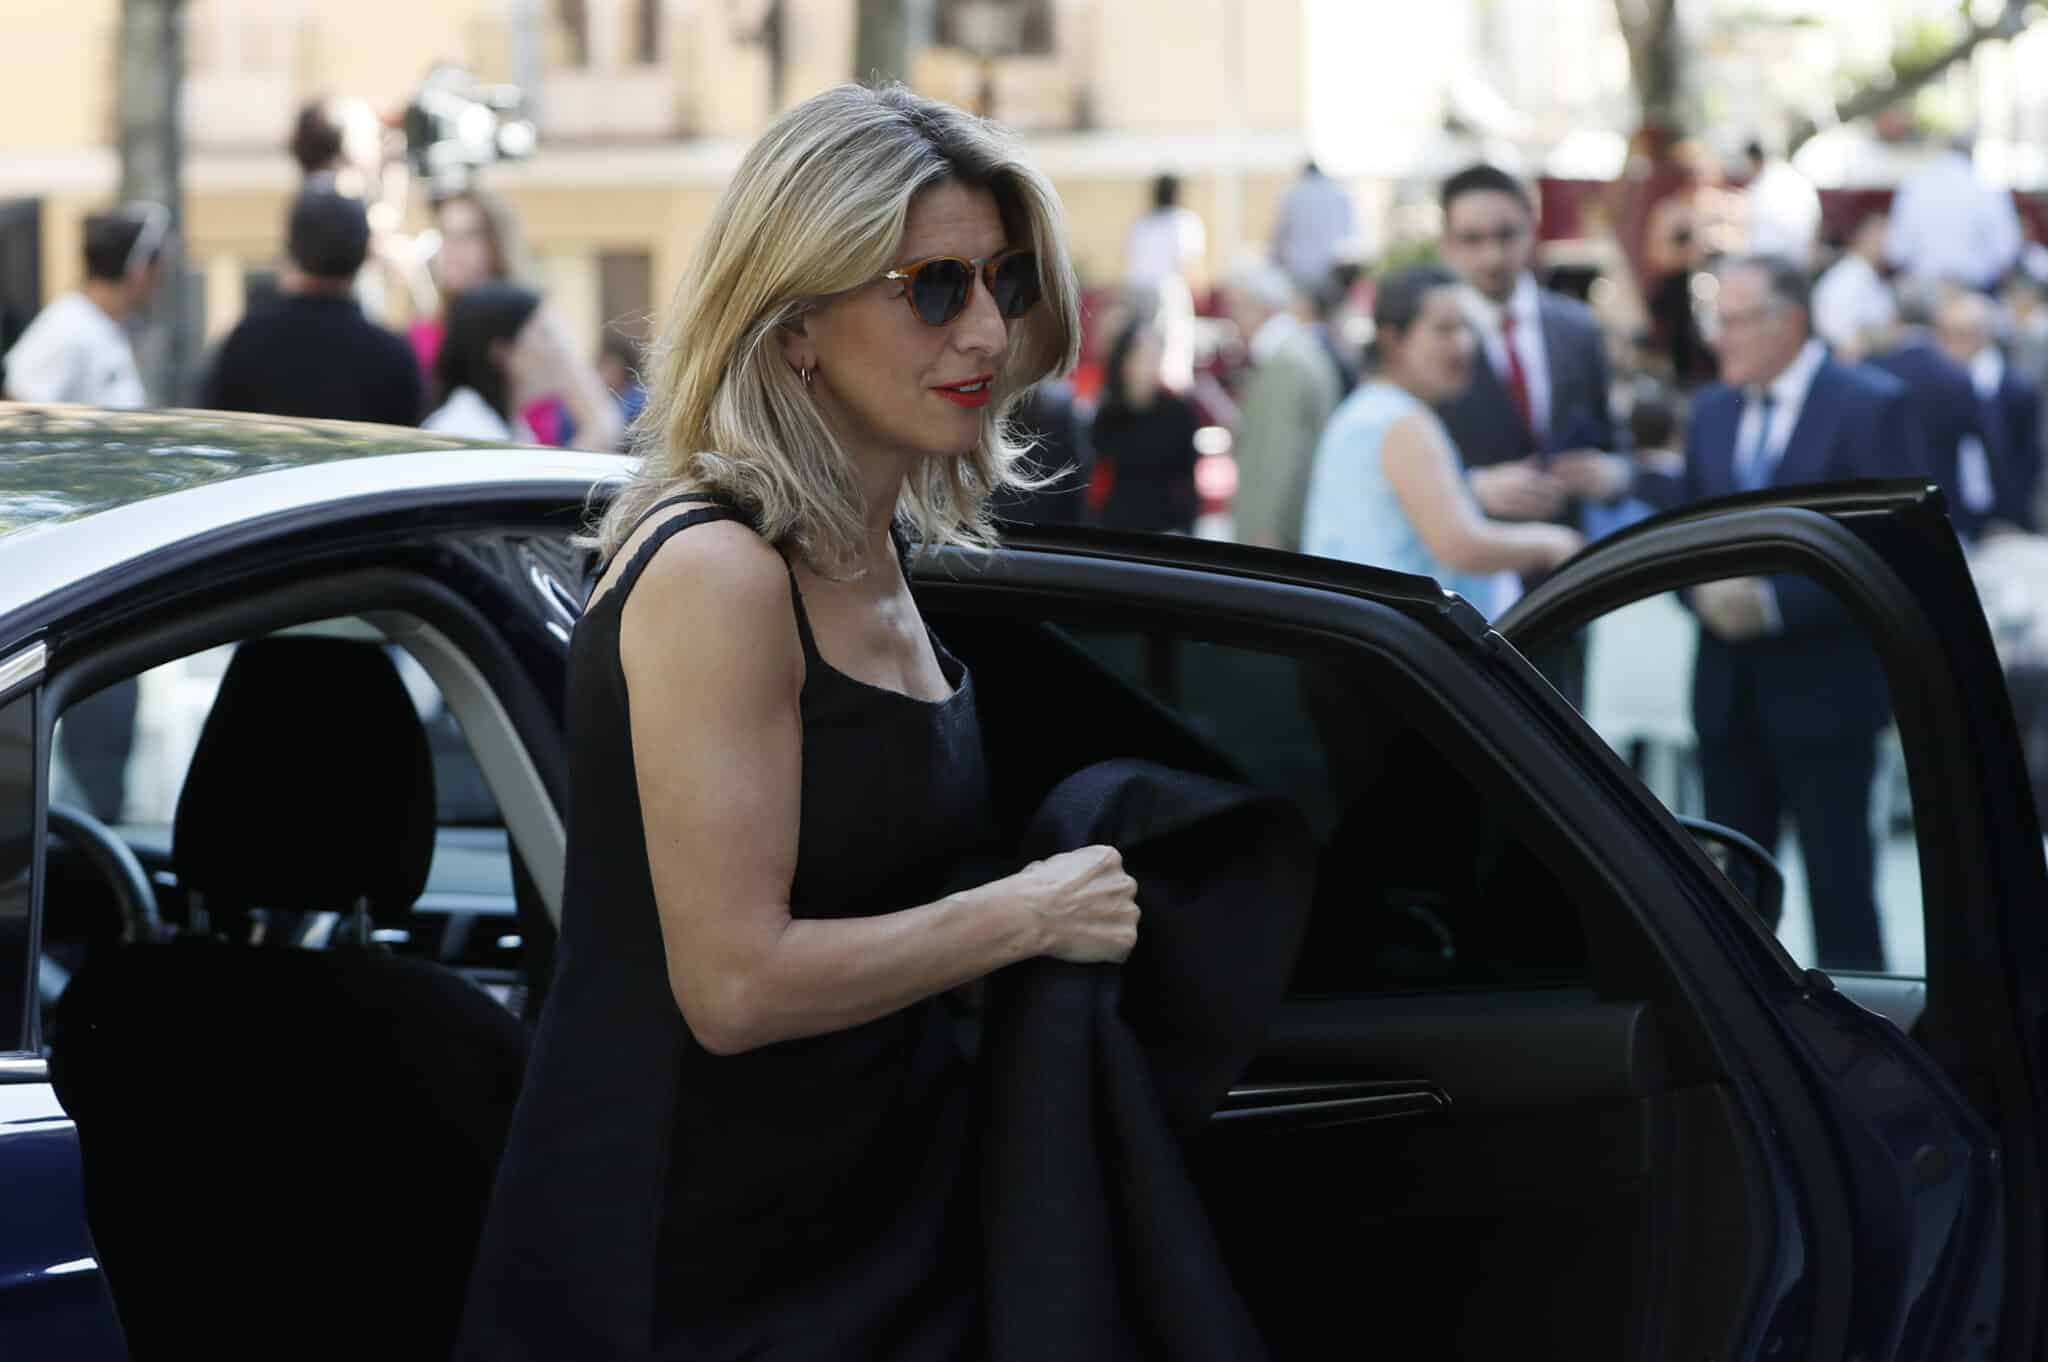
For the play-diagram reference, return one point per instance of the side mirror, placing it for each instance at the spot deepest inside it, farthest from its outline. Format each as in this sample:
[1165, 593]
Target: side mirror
[1748, 866]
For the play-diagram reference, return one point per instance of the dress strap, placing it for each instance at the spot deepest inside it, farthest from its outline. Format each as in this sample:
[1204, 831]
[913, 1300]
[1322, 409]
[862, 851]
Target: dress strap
[715, 510]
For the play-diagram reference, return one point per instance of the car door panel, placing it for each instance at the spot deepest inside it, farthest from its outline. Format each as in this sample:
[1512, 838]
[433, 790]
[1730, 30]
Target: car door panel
[1886, 552]
[1559, 1171]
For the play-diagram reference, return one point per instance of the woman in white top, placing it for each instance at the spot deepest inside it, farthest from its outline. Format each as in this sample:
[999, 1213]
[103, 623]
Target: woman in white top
[501, 351]
[1388, 486]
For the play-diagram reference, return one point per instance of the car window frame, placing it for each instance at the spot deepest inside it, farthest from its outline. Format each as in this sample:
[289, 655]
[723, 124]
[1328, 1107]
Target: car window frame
[23, 670]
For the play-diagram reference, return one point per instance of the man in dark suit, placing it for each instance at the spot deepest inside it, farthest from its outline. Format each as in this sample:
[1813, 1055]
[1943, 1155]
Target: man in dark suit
[1541, 386]
[1953, 423]
[1788, 698]
[2010, 402]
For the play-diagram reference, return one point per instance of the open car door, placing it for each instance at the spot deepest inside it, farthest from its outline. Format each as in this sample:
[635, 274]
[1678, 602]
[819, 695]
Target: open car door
[1812, 668]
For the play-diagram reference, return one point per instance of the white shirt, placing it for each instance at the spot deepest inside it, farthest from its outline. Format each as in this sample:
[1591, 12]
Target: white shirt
[1485, 316]
[468, 416]
[73, 352]
[1948, 225]
[1850, 301]
[1788, 396]
[1161, 245]
[1784, 212]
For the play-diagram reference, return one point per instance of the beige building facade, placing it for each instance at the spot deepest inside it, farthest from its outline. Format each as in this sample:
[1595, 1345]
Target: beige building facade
[645, 106]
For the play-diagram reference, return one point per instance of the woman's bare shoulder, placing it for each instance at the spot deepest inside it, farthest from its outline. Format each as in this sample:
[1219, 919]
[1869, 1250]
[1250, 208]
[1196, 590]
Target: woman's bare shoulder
[727, 552]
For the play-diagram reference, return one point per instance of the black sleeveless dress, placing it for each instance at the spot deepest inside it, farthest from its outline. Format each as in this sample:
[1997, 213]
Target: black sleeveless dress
[811, 1199]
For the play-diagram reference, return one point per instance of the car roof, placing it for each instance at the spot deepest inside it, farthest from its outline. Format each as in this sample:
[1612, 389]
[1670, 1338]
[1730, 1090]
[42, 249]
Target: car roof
[90, 498]
[60, 463]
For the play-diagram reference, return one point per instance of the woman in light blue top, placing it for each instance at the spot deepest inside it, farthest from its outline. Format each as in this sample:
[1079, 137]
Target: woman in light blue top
[1388, 488]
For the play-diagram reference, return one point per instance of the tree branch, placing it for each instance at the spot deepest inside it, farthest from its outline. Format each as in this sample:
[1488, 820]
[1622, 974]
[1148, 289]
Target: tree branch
[1902, 81]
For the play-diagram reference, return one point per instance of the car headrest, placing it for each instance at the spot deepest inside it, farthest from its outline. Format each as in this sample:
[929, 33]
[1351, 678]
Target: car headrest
[312, 787]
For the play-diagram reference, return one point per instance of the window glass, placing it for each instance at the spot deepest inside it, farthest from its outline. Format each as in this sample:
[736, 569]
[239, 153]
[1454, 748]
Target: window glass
[1758, 704]
[123, 754]
[1420, 884]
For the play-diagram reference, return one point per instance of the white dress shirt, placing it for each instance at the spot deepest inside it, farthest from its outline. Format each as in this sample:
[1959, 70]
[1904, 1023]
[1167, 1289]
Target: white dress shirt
[1788, 397]
[1485, 316]
[1946, 224]
[1849, 302]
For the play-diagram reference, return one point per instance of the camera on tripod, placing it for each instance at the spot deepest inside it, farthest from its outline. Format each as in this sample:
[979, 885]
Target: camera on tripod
[456, 124]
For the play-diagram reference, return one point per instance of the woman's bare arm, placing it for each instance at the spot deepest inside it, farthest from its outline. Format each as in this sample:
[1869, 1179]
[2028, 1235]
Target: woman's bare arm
[713, 670]
[1423, 470]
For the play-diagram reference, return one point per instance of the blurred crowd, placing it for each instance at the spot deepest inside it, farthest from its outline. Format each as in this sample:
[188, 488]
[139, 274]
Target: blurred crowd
[1478, 418]
[365, 322]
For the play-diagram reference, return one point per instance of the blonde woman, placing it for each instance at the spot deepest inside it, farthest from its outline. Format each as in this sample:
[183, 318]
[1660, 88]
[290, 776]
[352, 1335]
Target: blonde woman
[744, 1132]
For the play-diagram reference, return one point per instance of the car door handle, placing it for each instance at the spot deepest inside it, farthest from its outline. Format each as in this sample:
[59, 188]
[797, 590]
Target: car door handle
[1265, 1108]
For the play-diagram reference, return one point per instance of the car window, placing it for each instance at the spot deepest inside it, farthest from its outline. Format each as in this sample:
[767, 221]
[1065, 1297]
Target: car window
[122, 754]
[1758, 704]
[1421, 885]
[17, 835]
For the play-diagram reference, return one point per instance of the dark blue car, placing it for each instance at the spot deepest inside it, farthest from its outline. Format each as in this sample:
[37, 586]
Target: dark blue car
[281, 835]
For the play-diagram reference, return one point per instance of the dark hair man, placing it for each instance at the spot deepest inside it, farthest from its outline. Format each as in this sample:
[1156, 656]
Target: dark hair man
[76, 350]
[314, 353]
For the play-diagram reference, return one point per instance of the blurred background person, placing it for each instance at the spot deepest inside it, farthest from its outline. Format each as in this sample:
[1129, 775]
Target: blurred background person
[1946, 223]
[501, 351]
[476, 242]
[77, 348]
[1965, 328]
[1687, 231]
[2025, 296]
[312, 352]
[1780, 207]
[1853, 308]
[1388, 487]
[1953, 423]
[1292, 390]
[1541, 385]
[1315, 223]
[1144, 436]
[338, 143]
[620, 362]
[1058, 419]
[1167, 245]
[1788, 699]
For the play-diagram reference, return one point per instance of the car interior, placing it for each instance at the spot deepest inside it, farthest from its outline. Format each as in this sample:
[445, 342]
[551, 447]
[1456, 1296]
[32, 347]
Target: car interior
[1536, 1158]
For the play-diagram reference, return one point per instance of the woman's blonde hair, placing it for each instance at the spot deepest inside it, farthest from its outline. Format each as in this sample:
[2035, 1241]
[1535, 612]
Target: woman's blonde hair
[818, 207]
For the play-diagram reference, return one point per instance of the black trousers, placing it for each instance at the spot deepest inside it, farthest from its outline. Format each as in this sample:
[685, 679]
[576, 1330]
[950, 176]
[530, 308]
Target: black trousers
[1751, 783]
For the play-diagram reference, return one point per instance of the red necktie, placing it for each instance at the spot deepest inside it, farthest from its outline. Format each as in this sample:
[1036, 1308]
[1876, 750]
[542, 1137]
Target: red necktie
[1518, 379]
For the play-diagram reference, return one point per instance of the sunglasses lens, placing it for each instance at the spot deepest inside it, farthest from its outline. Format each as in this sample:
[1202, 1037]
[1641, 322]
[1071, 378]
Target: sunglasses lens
[1016, 284]
[940, 291]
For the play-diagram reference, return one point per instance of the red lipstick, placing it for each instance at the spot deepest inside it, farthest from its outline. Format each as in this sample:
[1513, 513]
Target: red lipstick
[969, 392]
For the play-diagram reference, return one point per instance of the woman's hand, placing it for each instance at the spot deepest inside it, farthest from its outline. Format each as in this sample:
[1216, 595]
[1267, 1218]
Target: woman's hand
[1555, 543]
[1085, 905]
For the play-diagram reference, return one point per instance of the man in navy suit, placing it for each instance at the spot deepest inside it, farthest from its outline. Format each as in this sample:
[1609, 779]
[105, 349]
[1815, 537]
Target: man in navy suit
[1953, 422]
[1788, 698]
[2010, 403]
